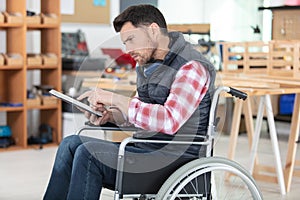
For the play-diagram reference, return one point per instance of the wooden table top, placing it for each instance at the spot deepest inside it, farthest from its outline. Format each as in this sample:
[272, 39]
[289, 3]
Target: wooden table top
[256, 84]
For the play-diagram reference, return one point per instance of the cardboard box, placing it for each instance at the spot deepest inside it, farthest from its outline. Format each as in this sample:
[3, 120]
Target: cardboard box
[13, 17]
[13, 59]
[49, 18]
[1, 18]
[33, 102]
[34, 60]
[49, 100]
[1, 60]
[49, 59]
[36, 19]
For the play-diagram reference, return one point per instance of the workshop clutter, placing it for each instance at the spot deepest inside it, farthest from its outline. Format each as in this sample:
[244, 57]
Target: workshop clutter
[44, 136]
[40, 95]
[276, 57]
[123, 61]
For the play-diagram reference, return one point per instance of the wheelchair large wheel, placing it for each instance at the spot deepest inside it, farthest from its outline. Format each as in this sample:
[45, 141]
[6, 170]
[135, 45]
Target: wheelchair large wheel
[206, 178]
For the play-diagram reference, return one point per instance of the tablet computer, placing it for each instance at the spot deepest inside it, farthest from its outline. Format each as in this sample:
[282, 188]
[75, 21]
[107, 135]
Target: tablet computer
[75, 102]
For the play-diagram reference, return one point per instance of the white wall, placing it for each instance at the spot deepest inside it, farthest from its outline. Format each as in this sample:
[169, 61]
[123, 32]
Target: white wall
[230, 20]
[177, 11]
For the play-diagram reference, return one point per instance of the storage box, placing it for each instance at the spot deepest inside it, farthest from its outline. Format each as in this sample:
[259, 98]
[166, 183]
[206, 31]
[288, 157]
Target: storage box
[34, 60]
[49, 100]
[13, 17]
[1, 18]
[286, 104]
[1, 60]
[49, 59]
[36, 19]
[49, 18]
[34, 102]
[13, 59]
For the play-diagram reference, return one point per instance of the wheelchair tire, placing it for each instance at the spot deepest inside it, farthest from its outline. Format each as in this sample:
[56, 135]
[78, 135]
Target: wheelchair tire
[174, 186]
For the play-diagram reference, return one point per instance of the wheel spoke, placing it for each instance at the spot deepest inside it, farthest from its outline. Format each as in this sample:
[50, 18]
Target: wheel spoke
[207, 180]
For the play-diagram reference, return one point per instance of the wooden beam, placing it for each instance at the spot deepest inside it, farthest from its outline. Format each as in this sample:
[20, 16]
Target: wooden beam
[190, 28]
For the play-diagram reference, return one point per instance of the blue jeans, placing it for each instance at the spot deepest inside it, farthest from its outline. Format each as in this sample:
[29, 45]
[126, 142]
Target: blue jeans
[78, 173]
[84, 165]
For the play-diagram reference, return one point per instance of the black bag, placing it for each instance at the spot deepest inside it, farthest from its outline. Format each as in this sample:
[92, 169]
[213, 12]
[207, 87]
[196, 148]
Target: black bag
[44, 137]
[6, 142]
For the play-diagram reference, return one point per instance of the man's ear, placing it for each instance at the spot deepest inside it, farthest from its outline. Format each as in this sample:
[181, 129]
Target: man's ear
[154, 29]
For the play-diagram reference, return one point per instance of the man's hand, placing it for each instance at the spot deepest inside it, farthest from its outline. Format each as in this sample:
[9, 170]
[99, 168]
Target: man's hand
[98, 97]
[102, 101]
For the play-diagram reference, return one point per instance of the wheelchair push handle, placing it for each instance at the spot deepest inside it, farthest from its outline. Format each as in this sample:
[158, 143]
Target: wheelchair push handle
[237, 93]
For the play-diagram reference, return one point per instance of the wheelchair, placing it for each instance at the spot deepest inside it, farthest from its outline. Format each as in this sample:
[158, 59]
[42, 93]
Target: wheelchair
[199, 178]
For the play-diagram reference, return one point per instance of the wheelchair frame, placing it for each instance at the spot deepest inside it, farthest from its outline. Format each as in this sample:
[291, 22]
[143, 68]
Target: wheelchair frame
[189, 170]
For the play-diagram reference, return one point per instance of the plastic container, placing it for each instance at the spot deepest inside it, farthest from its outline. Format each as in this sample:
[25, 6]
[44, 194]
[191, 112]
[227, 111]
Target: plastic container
[286, 104]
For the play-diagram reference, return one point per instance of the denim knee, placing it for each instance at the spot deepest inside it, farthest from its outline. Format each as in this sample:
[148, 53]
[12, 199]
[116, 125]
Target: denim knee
[70, 141]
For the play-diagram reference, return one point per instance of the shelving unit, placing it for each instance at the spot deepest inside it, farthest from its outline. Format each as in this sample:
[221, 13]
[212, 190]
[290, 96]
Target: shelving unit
[285, 22]
[13, 83]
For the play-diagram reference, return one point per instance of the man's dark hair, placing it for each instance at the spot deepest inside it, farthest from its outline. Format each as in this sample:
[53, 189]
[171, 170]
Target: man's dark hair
[141, 15]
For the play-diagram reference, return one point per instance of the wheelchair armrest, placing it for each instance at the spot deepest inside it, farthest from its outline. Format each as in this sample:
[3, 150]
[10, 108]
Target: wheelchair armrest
[105, 127]
[184, 140]
[112, 127]
[144, 136]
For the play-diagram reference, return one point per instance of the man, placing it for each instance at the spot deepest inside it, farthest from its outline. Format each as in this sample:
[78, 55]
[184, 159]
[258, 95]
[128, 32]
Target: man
[174, 87]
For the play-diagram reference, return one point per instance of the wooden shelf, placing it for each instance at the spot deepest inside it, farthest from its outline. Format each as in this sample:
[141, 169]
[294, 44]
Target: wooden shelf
[10, 108]
[41, 26]
[11, 25]
[6, 67]
[14, 77]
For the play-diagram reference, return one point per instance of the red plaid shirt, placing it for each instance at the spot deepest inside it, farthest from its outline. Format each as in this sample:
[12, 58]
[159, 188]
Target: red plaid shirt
[188, 89]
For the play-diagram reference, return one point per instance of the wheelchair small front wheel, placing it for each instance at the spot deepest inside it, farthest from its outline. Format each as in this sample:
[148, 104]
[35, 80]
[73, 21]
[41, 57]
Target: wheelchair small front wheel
[206, 178]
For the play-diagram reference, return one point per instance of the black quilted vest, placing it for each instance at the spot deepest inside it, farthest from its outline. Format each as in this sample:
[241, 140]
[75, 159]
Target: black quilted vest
[154, 88]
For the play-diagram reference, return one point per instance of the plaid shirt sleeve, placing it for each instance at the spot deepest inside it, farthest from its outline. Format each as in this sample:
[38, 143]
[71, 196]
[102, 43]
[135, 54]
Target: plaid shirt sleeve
[187, 91]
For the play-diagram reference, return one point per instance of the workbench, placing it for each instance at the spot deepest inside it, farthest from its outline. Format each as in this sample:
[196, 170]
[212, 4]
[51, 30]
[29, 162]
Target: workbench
[264, 86]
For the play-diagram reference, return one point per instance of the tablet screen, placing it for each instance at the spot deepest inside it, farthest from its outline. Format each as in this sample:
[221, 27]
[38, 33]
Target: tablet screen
[75, 102]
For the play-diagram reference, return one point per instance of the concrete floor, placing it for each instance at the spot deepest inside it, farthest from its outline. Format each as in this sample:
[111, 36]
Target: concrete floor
[24, 174]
